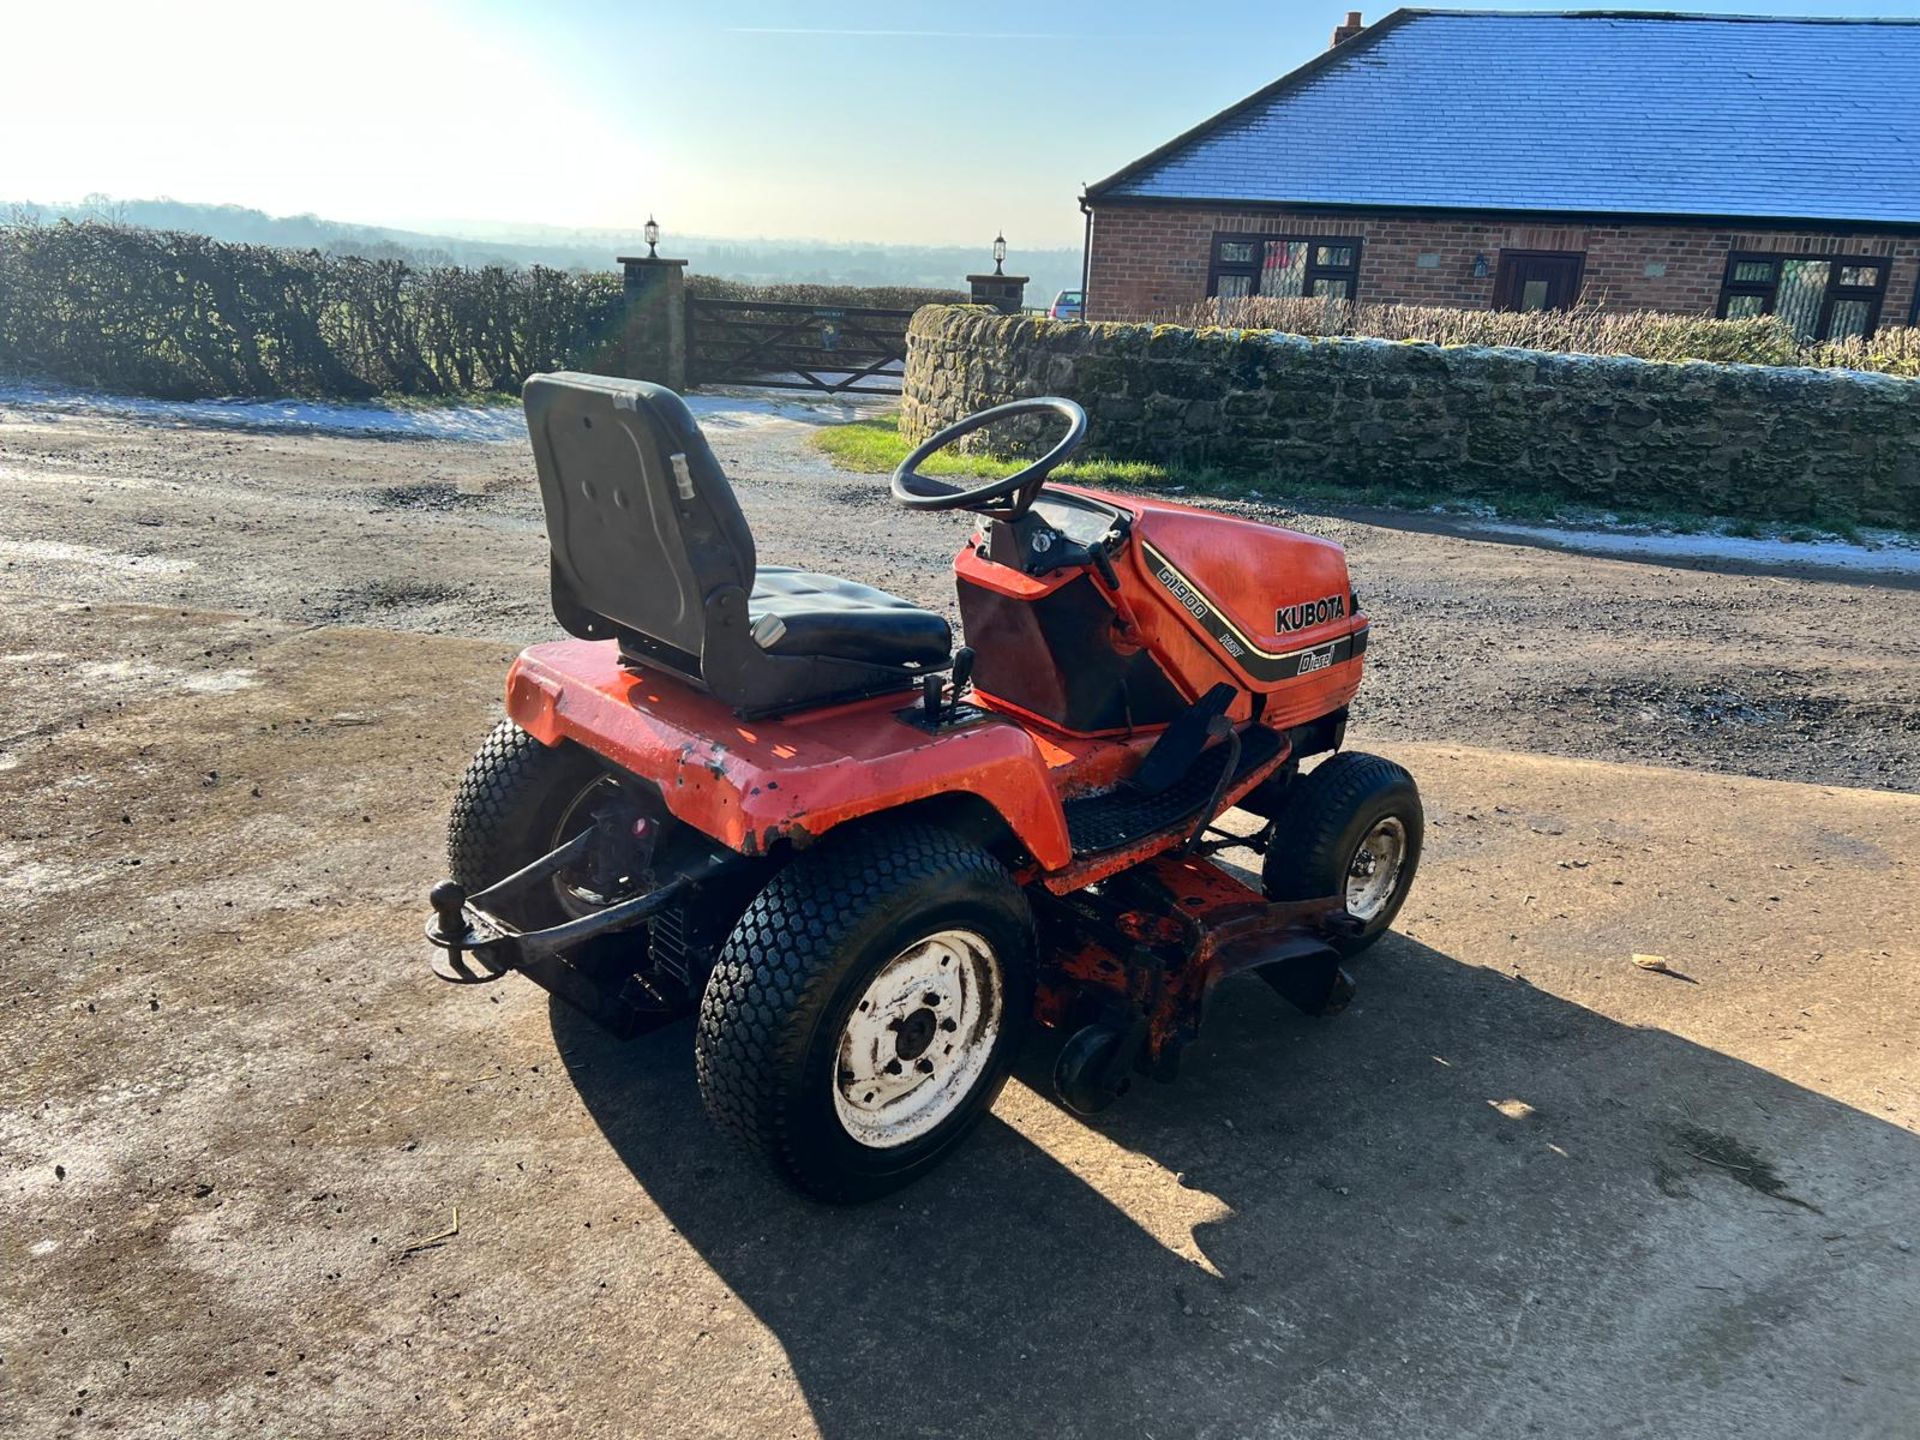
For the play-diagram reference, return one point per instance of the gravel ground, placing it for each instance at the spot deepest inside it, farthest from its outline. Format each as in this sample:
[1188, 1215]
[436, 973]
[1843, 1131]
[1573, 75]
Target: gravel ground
[1521, 1187]
[1812, 676]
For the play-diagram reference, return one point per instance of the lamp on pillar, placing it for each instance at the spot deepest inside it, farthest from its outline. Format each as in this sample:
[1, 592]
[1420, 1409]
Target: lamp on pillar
[653, 334]
[1005, 293]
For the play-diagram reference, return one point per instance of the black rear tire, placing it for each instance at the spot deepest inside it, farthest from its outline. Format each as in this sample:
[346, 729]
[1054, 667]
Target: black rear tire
[508, 809]
[780, 1005]
[1319, 835]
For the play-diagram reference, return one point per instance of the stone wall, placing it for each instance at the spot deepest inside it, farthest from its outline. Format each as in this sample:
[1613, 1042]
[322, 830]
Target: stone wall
[1153, 261]
[1735, 440]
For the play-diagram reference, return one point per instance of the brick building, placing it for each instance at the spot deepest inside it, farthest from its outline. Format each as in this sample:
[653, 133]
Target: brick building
[1693, 164]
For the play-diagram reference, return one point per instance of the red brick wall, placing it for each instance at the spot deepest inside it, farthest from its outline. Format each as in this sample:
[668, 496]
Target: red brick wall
[1148, 263]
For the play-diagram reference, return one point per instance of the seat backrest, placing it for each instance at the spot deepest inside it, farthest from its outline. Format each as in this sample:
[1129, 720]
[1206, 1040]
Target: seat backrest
[643, 525]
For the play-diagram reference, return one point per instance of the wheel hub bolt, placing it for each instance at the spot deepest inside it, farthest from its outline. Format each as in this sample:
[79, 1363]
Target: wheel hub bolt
[924, 1066]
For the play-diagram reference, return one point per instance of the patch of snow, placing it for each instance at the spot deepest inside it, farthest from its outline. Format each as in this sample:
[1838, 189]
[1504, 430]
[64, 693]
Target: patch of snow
[1893, 557]
[64, 554]
[220, 682]
[487, 423]
[328, 417]
[742, 410]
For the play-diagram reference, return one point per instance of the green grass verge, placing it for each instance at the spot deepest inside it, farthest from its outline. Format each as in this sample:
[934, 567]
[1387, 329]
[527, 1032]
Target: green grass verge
[876, 446]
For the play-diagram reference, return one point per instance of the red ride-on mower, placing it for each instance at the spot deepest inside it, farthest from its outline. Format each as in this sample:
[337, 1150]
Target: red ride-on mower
[868, 861]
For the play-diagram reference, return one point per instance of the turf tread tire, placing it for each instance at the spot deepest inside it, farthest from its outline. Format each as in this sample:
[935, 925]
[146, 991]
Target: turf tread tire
[787, 960]
[508, 801]
[1306, 859]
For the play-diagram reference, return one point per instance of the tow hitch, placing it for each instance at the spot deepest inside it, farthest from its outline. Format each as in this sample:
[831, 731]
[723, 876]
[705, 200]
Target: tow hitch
[479, 945]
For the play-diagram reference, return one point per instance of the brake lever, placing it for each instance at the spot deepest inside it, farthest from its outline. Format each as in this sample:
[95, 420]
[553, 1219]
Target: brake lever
[1109, 584]
[1104, 564]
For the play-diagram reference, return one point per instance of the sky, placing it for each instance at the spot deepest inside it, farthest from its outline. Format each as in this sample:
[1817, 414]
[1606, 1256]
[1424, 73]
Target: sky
[906, 122]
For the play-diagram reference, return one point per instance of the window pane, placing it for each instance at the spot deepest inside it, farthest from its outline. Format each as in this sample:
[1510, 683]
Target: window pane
[1753, 272]
[1803, 286]
[1285, 272]
[1745, 307]
[1849, 319]
[1237, 252]
[1335, 257]
[1867, 275]
[1331, 289]
[1534, 295]
[1233, 287]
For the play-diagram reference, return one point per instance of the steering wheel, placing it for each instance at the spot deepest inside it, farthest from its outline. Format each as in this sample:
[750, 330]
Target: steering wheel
[1005, 499]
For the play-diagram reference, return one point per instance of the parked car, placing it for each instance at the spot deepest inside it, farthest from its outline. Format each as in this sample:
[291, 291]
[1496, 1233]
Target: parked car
[1068, 305]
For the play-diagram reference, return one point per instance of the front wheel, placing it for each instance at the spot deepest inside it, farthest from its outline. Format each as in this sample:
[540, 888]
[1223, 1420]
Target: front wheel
[866, 1009]
[1353, 828]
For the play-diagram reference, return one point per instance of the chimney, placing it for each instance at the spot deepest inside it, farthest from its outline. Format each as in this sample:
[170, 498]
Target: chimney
[1347, 31]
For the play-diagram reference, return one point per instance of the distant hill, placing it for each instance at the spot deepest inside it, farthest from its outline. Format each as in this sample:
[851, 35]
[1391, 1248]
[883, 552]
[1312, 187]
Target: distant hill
[758, 261]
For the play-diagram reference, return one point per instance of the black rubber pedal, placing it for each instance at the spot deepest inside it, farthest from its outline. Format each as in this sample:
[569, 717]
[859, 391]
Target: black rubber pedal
[1180, 744]
[1121, 816]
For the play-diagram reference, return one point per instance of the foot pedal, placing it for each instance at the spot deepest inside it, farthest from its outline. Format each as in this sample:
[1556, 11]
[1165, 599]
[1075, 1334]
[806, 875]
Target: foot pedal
[1181, 742]
[1116, 817]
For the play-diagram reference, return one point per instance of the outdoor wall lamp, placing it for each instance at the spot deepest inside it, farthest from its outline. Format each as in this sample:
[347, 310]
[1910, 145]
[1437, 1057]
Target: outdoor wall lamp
[652, 231]
[1480, 268]
[999, 253]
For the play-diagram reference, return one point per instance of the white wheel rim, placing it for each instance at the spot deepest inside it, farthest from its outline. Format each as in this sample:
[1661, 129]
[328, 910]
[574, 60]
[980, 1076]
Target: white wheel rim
[1374, 872]
[918, 1040]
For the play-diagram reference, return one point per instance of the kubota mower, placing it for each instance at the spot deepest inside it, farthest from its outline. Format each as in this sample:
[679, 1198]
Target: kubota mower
[868, 862]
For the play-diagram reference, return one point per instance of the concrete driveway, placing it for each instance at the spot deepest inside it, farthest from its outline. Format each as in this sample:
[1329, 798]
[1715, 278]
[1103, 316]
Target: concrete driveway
[1522, 1186]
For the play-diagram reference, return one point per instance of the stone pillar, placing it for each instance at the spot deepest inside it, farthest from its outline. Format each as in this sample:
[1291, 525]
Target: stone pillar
[1005, 293]
[653, 340]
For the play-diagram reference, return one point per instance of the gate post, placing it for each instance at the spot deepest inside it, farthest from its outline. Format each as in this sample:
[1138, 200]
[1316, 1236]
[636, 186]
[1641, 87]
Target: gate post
[1005, 293]
[653, 335]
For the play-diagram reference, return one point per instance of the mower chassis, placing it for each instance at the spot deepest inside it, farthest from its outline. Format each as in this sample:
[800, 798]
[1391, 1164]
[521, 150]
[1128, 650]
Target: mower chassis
[1127, 967]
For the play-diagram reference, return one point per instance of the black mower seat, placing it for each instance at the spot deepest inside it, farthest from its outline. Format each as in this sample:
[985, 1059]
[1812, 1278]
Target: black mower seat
[650, 549]
[798, 612]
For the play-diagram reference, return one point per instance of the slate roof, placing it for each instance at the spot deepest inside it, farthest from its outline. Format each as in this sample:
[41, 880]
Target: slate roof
[1577, 113]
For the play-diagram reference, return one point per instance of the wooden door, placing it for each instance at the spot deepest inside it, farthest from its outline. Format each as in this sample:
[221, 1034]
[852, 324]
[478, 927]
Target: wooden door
[1538, 279]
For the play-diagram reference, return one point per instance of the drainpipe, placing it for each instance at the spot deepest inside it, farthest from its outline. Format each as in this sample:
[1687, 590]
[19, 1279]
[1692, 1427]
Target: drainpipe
[1086, 256]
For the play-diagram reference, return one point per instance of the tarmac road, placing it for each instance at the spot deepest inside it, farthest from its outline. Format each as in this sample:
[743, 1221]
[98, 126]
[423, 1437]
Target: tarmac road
[1522, 1186]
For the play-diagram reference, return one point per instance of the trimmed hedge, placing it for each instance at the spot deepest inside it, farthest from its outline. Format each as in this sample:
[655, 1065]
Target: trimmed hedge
[165, 313]
[175, 315]
[1582, 330]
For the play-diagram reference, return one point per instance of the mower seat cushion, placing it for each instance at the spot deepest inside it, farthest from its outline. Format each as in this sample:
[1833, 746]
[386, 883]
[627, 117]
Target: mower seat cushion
[796, 612]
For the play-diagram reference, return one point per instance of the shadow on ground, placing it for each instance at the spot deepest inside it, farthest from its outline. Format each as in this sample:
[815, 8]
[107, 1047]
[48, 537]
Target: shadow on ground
[1464, 1207]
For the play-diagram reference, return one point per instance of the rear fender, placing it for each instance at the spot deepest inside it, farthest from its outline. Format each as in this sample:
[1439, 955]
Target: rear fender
[758, 786]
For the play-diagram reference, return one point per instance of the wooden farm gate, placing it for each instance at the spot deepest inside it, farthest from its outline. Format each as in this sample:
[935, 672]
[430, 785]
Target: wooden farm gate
[839, 349]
